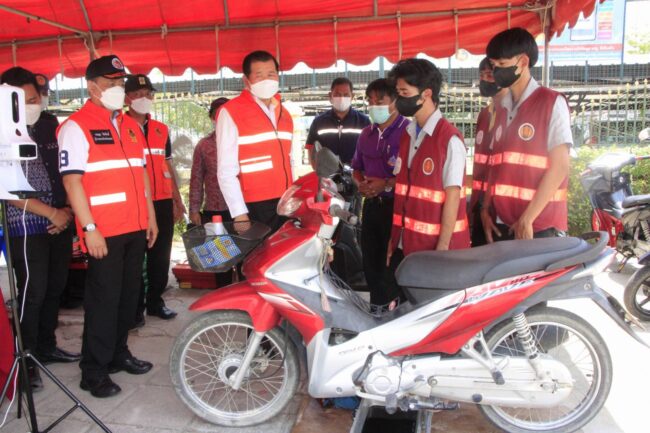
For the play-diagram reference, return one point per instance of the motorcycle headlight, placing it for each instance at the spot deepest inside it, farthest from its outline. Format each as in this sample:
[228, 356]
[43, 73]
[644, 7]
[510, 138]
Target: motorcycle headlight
[289, 204]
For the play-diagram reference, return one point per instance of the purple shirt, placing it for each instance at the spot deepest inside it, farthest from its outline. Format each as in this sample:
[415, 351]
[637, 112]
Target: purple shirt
[377, 151]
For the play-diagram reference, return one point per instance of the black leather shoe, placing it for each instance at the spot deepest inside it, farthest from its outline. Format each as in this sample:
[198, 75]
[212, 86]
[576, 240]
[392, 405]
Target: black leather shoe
[162, 312]
[100, 388]
[131, 365]
[58, 355]
[34, 378]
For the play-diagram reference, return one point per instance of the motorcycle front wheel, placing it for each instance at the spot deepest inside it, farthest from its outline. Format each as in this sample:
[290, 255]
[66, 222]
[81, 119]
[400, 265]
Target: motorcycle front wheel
[570, 340]
[637, 294]
[209, 351]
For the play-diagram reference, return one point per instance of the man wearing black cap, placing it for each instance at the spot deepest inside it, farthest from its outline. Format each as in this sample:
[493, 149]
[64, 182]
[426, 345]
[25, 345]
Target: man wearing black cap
[164, 191]
[102, 162]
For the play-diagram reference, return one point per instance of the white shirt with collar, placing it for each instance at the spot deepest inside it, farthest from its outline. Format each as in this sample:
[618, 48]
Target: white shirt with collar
[227, 137]
[559, 128]
[453, 171]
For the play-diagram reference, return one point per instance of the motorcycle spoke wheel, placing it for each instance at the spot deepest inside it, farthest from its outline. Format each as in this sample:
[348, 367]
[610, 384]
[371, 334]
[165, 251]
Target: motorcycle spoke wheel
[207, 355]
[573, 342]
[637, 294]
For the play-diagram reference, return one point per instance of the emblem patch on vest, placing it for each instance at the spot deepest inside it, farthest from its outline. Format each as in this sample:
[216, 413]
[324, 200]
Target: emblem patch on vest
[497, 134]
[398, 165]
[479, 137]
[102, 136]
[132, 136]
[427, 166]
[526, 131]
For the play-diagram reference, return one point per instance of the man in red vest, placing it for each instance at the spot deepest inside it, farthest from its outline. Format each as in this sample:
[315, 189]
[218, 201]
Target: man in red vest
[429, 211]
[527, 189]
[102, 162]
[164, 191]
[483, 148]
[254, 133]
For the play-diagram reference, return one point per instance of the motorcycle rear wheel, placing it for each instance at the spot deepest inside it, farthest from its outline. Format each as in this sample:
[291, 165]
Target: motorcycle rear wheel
[575, 343]
[637, 294]
[208, 352]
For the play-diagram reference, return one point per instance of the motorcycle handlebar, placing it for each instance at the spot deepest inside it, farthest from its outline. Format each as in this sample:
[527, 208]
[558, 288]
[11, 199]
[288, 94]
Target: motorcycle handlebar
[347, 217]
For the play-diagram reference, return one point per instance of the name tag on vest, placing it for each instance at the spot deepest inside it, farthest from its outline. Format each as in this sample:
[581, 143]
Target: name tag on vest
[102, 136]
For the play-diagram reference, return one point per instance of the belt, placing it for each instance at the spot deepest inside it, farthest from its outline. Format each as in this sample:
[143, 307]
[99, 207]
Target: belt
[379, 199]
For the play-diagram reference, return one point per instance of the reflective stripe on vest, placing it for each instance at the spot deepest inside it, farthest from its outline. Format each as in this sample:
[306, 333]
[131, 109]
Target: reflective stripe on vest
[110, 164]
[339, 131]
[422, 193]
[426, 228]
[264, 136]
[481, 158]
[526, 194]
[160, 152]
[98, 200]
[252, 165]
[518, 158]
[478, 185]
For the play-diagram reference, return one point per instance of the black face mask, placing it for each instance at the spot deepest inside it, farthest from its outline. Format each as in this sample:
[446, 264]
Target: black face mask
[505, 77]
[408, 105]
[488, 88]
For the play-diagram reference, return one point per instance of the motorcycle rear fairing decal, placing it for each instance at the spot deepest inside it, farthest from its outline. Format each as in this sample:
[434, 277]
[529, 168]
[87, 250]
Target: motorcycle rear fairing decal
[480, 293]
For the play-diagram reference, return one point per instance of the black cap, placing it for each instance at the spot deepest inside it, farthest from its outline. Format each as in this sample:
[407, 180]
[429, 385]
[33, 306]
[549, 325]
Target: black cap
[107, 67]
[43, 84]
[137, 82]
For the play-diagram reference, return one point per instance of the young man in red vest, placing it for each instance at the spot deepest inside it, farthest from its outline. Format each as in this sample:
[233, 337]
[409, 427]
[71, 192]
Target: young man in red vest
[485, 124]
[254, 133]
[429, 210]
[527, 189]
[164, 191]
[102, 163]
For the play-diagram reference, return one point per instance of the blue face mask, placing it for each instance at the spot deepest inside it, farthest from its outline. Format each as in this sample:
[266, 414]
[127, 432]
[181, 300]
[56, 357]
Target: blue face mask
[379, 113]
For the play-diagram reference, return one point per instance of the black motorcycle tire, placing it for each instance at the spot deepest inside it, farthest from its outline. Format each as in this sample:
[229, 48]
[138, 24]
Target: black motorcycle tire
[640, 282]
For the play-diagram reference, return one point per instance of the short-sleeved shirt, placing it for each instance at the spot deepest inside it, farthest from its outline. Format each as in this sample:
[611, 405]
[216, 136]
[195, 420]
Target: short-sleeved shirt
[377, 150]
[338, 135]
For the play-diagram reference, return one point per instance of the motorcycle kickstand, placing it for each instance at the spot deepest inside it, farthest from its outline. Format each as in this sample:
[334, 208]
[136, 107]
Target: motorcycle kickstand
[622, 265]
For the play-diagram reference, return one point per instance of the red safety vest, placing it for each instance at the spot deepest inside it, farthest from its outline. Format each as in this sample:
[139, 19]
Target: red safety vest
[114, 176]
[419, 194]
[482, 151]
[264, 164]
[520, 160]
[160, 177]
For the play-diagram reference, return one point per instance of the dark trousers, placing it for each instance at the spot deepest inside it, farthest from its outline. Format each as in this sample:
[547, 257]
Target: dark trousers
[376, 226]
[507, 236]
[48, 258]
[477, 234]
[390, 288]
[157, 260]
[110, 301]
[265, 212]
[222, 278]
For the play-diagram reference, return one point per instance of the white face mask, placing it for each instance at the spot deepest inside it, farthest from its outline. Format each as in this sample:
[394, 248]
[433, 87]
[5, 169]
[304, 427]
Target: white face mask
[265, 89]
[379, 113]
[142, 105]
[45, 102]
[112, 98]
[32, 113]
[341, 103]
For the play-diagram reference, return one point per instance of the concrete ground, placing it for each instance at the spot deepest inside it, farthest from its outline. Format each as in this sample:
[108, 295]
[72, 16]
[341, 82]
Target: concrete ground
[148, 403]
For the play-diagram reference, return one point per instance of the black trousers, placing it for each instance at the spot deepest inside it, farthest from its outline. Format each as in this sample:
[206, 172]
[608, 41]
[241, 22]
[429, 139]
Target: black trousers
[507, 236]
[157, 260]
[376, 226]
[48, 258]
[110, 301]
[390, 289]
[265, 212]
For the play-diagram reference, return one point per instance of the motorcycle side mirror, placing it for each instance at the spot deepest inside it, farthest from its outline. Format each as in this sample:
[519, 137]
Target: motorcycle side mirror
[644, 134]
[327, 163]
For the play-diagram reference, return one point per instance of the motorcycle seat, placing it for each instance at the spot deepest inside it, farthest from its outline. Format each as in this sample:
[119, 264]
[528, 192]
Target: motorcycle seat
[636, 200]
[460, 269]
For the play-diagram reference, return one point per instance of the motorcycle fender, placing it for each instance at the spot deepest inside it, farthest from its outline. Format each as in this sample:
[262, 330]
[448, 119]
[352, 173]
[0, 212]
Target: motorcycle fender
[241, 296]
[644, 259]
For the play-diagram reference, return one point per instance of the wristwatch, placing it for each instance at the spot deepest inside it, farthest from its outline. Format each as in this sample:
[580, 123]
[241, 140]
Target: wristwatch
[387, 188]
[89, 227]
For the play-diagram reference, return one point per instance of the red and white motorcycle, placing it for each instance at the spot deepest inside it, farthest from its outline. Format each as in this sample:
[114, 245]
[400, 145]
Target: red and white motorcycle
[475, 328]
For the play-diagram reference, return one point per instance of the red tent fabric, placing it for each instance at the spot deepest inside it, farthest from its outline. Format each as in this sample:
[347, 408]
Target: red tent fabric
[207, 34]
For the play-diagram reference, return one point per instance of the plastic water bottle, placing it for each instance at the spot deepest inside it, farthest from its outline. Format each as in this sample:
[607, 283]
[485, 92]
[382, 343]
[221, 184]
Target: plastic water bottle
[215, 228]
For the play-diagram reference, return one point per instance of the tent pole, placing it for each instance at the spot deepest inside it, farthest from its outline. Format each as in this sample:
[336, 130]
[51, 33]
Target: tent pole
[546, 23]
[40, 19]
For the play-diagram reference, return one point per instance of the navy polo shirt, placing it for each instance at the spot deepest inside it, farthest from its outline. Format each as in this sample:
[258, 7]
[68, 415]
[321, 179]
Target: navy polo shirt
[338, 135]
